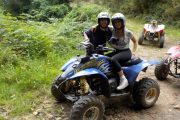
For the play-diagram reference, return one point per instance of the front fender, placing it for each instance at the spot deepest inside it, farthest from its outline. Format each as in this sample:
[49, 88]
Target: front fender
[88, 72]
[69, 62]
[132, 72]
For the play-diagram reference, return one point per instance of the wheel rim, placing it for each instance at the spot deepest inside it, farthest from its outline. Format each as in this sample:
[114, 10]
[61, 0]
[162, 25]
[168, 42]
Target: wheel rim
[91, 114]
[151, 95]
[173, 64]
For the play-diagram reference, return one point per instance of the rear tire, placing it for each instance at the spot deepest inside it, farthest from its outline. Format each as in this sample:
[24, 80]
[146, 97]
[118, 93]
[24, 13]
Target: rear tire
[87, 108]
[146, 92]
[161, 71]
[56, 92]
[141, 39]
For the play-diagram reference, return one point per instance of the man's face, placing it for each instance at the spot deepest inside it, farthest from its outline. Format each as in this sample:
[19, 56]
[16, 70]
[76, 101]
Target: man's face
[104, 23]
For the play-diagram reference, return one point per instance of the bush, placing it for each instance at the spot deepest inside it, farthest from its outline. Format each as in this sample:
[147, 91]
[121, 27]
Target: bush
[58, 1]
[85, 13]
[57, 11]
[25, 39]
[45, 14]
[16, 7]
[7, 56]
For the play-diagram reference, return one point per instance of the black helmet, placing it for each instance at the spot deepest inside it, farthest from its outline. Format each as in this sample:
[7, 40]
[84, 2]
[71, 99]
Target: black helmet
[118, 16]
[103, 15]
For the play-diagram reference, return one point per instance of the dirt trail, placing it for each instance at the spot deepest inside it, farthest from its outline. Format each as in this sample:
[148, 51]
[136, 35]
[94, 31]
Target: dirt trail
[166, 108]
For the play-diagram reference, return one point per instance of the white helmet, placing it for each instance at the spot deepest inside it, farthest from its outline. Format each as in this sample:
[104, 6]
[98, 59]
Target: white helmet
[103, 15]
[118, 16]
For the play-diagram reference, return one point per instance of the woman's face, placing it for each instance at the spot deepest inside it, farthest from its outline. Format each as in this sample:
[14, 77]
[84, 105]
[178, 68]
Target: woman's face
[117, 24]
[104, 23]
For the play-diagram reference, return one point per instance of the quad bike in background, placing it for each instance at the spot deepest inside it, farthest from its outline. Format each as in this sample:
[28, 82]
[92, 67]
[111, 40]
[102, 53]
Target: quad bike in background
[170, 65]
[153, 33]
[84, 78]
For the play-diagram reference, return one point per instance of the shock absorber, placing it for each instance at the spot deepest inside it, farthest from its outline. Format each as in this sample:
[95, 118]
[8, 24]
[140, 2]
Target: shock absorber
[84, 86]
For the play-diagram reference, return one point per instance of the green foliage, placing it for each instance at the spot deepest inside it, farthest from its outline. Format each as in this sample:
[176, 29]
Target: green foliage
[8, 56]
[16, 6]
[172, 13]
[144, 6]
[39, 4]
[58, 1]
[57, 11]
[24, 38]
[85, 13]
[165, 10]
[46, 14]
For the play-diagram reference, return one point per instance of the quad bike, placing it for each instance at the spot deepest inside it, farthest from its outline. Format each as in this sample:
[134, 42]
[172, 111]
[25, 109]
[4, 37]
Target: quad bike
[169, 65]
[153, 33]
[85, 78]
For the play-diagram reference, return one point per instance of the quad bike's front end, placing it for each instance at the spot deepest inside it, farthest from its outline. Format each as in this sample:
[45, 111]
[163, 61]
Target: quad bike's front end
[83, 75]
[83, 82]
[79, 90]
[153, 33]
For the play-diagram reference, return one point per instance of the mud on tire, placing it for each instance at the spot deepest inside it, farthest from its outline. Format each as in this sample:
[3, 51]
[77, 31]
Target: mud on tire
[146, 92]
[87, 108]
[161, 71]
[56, 92]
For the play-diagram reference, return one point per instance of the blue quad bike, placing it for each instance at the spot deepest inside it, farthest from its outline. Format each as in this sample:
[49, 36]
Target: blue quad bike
[84, 78]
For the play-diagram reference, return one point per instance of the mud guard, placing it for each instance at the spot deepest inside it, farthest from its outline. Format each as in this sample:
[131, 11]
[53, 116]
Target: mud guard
[93, 71]
[89, 72]
[132, 72]
[65, 66]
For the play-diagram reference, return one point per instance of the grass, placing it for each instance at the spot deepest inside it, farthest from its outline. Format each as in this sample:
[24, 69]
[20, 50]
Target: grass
[30, 79]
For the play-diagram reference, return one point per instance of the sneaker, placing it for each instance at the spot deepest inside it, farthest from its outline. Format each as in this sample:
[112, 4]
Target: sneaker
[123, 83]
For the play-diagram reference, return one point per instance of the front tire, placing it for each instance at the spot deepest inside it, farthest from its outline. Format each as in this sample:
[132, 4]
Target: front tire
[87, 108]
[161, 70]
[56, 92]
[146, 92]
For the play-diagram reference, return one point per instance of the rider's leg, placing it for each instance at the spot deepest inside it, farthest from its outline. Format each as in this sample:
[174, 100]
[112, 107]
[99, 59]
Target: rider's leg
[118, 58]
[123, 83]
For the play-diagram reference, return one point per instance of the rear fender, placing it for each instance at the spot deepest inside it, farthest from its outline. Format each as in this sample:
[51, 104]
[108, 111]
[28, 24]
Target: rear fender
[175, 56]
[132, 72]
[174, 49]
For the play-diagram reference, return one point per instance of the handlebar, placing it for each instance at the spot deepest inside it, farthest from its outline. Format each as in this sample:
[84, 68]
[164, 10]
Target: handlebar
[104, 49]
[99, 50]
